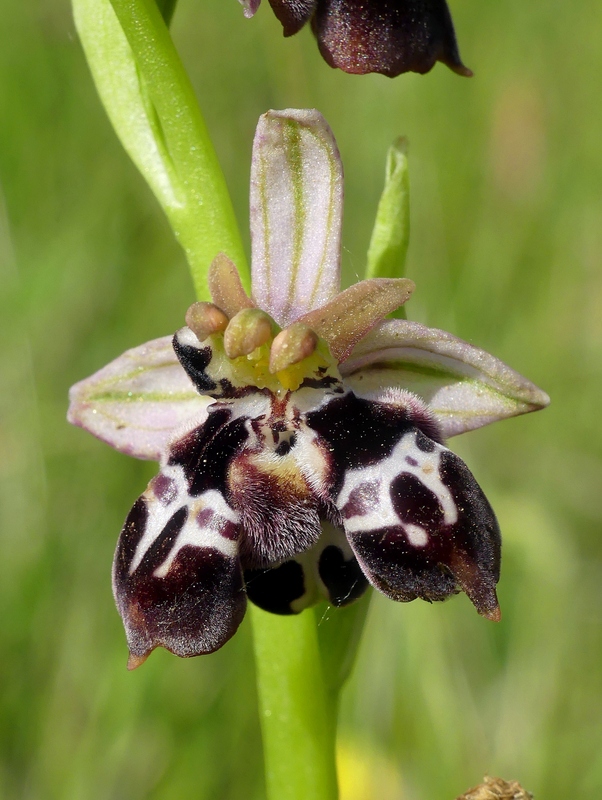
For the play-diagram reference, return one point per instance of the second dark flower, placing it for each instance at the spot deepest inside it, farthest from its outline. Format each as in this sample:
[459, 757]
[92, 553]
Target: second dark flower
[386, 36]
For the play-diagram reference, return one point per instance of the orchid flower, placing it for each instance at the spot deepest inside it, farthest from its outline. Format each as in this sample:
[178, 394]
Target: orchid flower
[386, 36]
[300, 433]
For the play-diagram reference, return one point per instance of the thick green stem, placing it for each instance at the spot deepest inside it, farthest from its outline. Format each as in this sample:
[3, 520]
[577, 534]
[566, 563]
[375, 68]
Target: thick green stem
[302, 663]
[339, 634]
[297, 710]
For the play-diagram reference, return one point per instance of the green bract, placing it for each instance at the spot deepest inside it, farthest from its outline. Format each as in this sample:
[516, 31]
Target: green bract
[149, 99]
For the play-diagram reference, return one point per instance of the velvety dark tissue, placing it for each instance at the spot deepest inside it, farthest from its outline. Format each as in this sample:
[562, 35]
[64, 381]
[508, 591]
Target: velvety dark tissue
[385, 36]
[193, 609]
[275, 589]
[344, 579]
[205, 453]
[195, 361]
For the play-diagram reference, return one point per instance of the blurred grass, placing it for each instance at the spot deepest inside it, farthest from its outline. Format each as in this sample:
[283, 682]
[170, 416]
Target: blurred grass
[506, 174]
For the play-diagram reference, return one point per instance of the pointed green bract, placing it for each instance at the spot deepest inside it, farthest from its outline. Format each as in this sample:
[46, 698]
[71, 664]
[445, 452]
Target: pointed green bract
[391, 232]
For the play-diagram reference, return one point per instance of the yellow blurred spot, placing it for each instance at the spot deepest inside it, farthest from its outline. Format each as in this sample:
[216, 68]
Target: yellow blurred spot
[365, 774]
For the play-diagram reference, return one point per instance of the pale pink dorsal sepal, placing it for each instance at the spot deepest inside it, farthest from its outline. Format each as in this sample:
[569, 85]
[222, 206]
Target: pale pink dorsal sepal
[464, 386]
[296, 213]
[137, 401]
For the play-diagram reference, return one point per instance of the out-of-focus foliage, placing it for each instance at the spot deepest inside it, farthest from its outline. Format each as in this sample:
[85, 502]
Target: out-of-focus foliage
[506, 243]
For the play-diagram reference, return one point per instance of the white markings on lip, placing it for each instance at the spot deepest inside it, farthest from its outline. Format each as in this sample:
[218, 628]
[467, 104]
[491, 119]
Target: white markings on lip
[416, 535]
[206, 536]
[209, 516]
[191, 533]
[407, 458]
[311, 460]
[159, 514]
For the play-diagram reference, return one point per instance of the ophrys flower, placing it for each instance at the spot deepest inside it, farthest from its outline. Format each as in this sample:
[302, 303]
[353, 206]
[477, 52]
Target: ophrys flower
[301, 445]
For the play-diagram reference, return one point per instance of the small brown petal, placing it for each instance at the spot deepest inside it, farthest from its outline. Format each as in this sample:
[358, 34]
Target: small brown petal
[477, 585]
[226, 289]
[349, 316]
[136, 661]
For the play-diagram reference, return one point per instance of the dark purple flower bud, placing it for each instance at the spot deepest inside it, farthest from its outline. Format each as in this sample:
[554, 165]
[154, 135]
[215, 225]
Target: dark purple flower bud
[386, 36]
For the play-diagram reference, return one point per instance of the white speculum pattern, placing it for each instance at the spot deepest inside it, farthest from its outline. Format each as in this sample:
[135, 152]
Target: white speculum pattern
[192, 533]
[381, 475]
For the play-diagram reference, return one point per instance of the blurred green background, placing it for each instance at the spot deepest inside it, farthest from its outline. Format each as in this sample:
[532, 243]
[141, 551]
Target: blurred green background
[506, 172]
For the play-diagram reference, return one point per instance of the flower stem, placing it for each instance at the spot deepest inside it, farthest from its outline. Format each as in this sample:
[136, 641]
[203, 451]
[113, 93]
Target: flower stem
[297, 711]
[302, 663]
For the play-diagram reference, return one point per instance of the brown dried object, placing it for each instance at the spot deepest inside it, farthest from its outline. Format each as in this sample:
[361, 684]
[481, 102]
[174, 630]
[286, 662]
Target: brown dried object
[496, 789]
